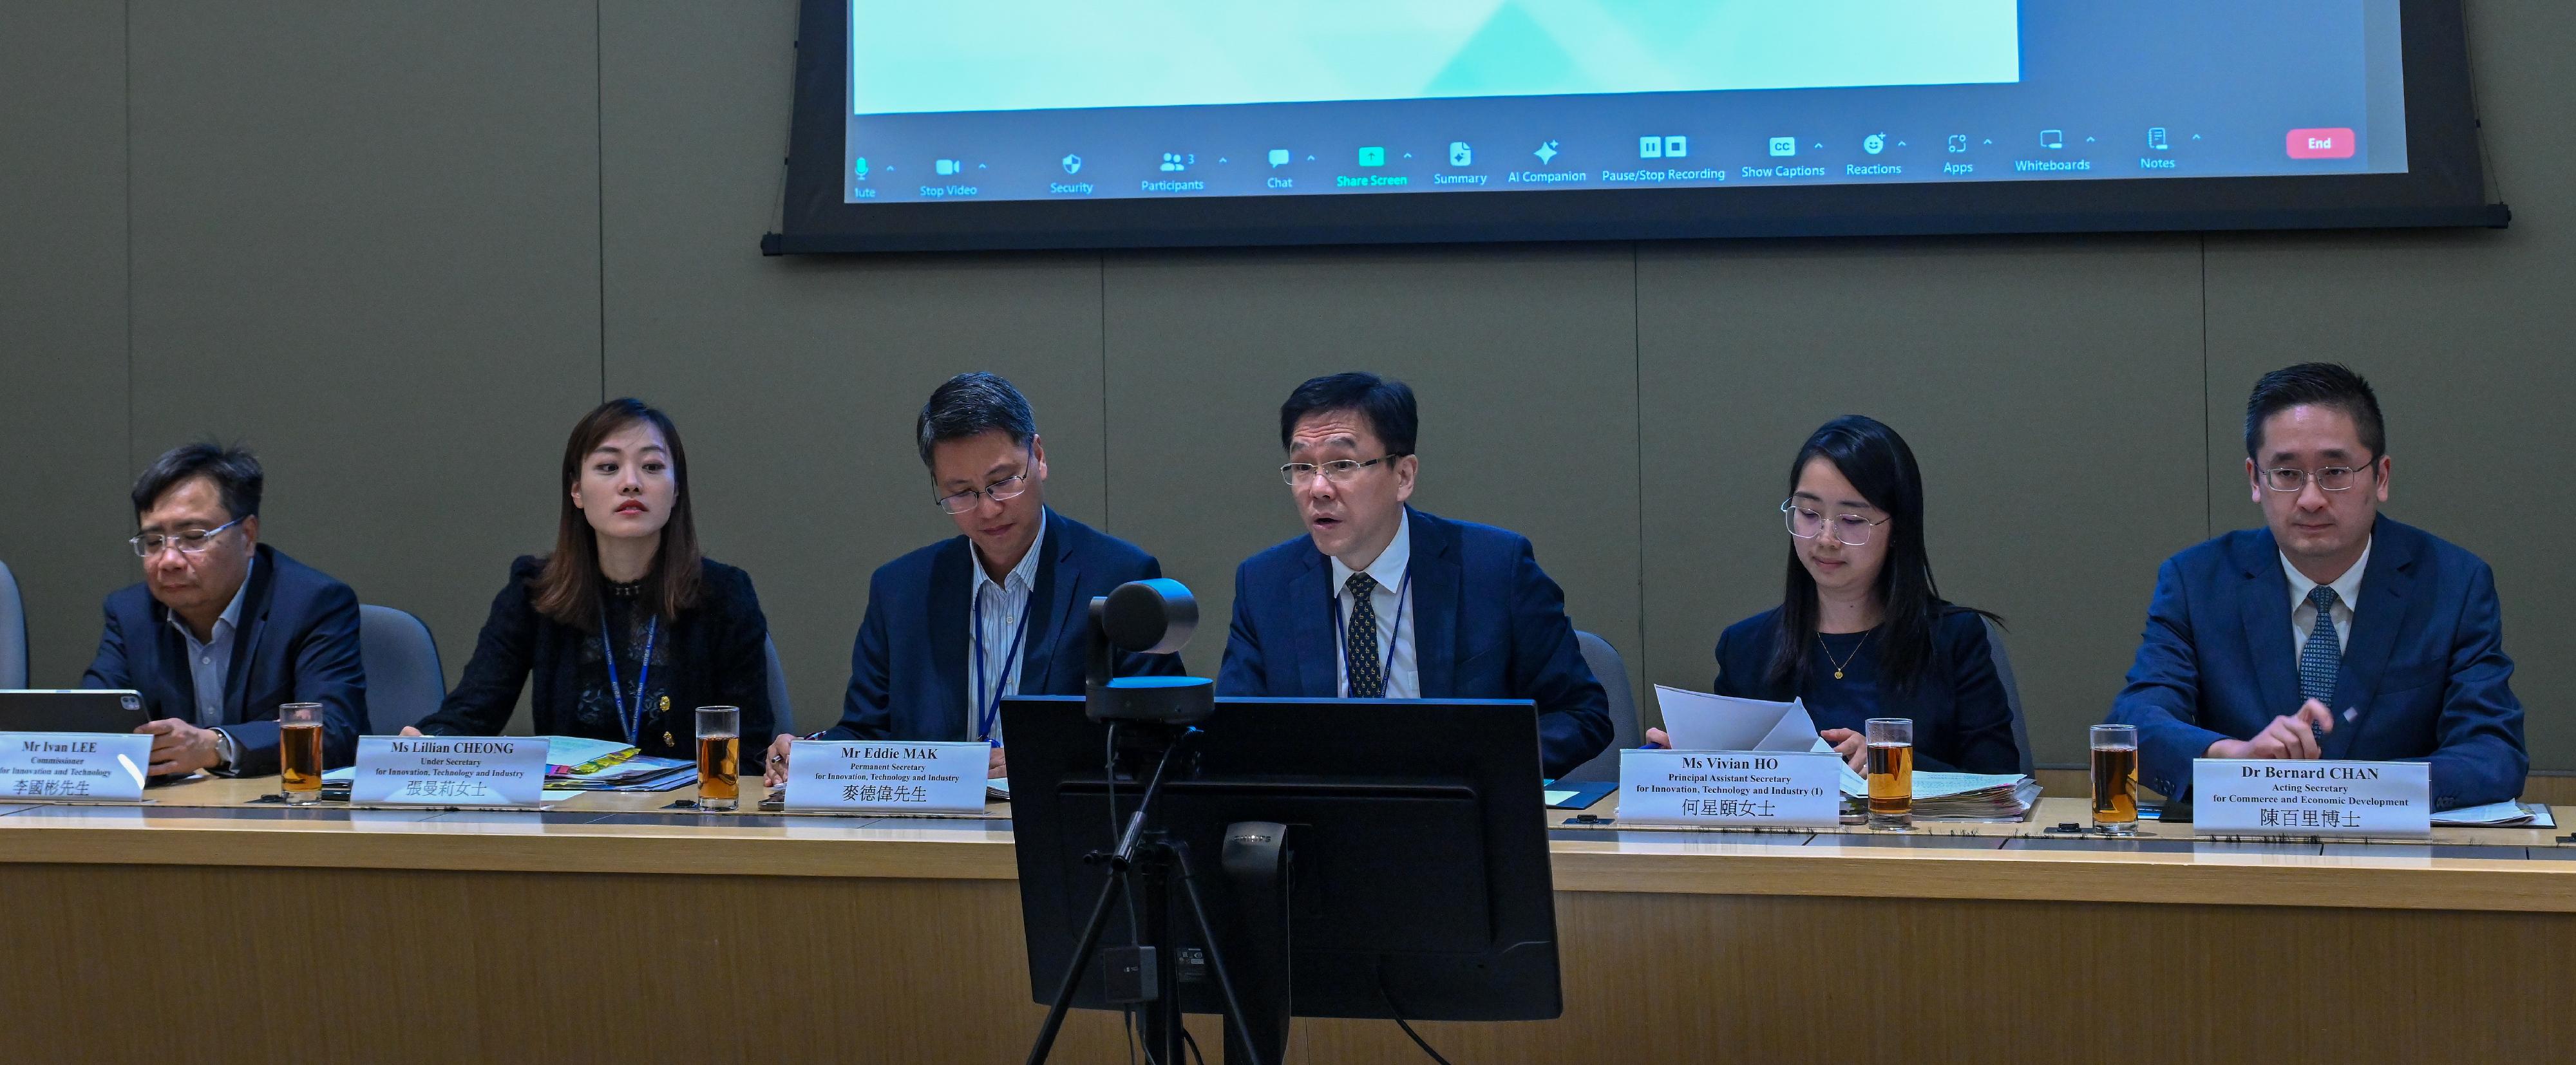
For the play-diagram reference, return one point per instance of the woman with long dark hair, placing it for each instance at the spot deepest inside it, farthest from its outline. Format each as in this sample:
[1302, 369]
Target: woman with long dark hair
[627, 628]
[1863, 631]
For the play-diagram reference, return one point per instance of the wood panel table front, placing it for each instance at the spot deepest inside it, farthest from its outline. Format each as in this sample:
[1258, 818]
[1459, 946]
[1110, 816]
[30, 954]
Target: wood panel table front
[203, 927]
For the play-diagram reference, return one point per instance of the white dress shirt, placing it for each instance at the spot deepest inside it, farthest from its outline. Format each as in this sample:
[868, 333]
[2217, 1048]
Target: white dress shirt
[2303, 614]
[1392, 600]
[210, 661]
[996, 612]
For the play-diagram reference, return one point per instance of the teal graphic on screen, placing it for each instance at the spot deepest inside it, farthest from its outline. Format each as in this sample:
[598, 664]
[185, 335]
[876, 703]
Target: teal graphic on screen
[960, 102]
[1025, 55]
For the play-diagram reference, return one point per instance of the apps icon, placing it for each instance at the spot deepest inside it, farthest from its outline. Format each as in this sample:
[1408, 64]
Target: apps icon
[1072, 164]
[1546, 153]
[1462, 153]
[1373, 156]
[1278, 156]
[947, 167]
[1784, 147]
[1958, 142]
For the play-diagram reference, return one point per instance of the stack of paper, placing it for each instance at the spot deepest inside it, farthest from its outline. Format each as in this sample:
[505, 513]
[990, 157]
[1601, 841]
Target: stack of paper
[640, 772]
[2496, 815]
[568, 756]
[1956, 796]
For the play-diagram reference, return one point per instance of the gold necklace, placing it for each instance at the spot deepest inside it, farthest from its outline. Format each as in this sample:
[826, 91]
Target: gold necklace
[1855, 652]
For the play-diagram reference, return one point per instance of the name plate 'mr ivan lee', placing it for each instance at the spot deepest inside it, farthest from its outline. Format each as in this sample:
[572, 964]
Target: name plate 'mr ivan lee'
[2248, 797]
[450, 771]
[93, 766]
[1764, 789]
[930, 778]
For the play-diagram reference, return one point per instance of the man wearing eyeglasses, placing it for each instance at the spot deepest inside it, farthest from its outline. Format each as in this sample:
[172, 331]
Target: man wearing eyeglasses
[224, 628]
[954, 627]
[1379, 600]
[2333, 632]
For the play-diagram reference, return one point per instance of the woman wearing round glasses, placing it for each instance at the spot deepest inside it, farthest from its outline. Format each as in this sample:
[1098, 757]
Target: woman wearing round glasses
[625, 626]
[1863, 631]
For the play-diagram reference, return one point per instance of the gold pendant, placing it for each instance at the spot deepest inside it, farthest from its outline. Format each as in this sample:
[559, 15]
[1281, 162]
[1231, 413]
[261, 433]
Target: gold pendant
[667, 741]
[1838, 674]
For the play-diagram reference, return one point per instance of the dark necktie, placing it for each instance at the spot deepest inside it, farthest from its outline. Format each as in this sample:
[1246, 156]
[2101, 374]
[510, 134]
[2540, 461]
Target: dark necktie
[2322, 658]
[1368, 675]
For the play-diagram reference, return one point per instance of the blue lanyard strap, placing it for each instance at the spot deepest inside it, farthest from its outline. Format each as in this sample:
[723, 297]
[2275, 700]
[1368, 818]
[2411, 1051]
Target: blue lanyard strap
[633, 723]
[1341, 629]
[989, 707]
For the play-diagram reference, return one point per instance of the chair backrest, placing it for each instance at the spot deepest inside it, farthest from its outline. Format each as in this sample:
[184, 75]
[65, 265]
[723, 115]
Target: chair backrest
[781, 717]
[1624, 729]
[404, 683]
[13, 632]
[2012, 692]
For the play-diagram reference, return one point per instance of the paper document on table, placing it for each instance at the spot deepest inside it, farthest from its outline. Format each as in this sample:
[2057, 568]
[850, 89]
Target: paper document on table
[2497, 814]
[1958, 796]
[1698, 721]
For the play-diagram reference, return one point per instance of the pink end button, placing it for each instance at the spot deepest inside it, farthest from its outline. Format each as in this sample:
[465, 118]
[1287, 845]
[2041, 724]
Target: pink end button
[2321, 144]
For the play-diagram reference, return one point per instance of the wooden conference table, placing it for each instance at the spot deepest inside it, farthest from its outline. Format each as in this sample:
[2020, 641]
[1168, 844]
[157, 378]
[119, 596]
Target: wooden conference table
[201, 927]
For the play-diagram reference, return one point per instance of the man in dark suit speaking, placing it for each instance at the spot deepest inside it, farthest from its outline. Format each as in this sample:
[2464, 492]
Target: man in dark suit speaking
[1379, 600]
[999, 610]
[2332, 632]
[225, 628]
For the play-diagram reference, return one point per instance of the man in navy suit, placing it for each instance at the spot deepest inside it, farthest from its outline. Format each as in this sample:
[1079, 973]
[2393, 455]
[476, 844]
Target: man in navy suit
[224, 628]
[2333, 632]
[1379, 600]
[1001, 610]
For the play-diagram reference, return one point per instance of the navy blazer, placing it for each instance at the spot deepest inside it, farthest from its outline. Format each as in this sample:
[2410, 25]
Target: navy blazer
[1962, 715]
[2424, 670]
[295, 642]
[908, 669]
[1487, 624]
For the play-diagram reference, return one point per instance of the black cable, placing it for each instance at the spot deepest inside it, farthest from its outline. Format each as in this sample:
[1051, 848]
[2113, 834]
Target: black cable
[1397, 1012]
[1193, 1043]
[1127, 1020]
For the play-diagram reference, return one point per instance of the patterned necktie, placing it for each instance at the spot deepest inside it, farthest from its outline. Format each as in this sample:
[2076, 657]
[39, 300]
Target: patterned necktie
[2322, 658]
[1368, 675]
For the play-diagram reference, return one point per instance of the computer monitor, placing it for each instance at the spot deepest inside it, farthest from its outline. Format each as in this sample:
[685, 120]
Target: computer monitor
[1421, 886]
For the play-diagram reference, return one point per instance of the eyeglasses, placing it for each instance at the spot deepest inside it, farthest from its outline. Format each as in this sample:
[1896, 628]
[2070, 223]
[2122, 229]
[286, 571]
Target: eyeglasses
[1850, 530]
[1011, 487]
[1338, 471]
[188, 541]
[2331, 478]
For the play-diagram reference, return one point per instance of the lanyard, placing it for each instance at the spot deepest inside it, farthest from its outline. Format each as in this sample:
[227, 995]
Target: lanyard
[989, 708]
[634, 724]
[1341, 630]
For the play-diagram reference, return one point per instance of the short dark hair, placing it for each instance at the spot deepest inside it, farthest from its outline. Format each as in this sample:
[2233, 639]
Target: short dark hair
[1387, 404]
[2315, 384]
[233, 468]
[972, 404]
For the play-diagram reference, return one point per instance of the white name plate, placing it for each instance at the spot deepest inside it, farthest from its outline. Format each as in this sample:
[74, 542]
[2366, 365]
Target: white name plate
[105, 766]
[2251, 797]
[928, 778]
[1766, 789]
[449, 771]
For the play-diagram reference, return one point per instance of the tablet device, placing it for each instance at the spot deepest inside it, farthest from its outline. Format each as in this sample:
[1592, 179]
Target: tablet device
[74, 710]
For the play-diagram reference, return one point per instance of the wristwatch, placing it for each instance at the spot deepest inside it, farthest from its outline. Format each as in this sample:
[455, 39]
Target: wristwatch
[224, 750]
